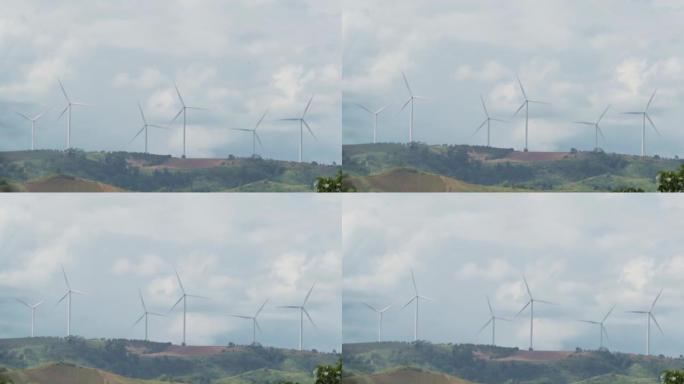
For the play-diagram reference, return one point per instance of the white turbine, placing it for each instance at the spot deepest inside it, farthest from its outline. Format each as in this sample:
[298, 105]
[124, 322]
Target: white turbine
[602, 325]
[67, 108]
[645, 116]
[33, 121]
[492, 320]
[412, 98]
[254, 320]
[526, 105]
[530, 304]
[33, 308]
[145, 315]
[255, 135]
[486, 121]
[375, 116]
[144, 127]
[184, 298]
[183, 111]
[67, 295]
[597, 128]
[302, 124]
[302, 311]
[416, 297]
[380, 312]
[649, 316]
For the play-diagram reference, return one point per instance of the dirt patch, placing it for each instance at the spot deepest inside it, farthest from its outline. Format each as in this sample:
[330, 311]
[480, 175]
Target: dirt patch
[176, 163]
[537, 356]
[536, 156]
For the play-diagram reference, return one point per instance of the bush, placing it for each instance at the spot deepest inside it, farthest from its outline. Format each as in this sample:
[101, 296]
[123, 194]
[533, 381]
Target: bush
[671, 181]
[333, 184]
[672, 377]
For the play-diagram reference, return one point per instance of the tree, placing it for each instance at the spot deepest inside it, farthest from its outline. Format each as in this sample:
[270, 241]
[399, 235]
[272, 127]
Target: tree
[672, 377]
[333, 184]
[671, 181]
[326, 374]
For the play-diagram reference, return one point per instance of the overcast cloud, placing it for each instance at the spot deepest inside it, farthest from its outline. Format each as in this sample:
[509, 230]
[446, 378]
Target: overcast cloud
[580, 56]
[238, 250]
[237, 58]
[466, 247]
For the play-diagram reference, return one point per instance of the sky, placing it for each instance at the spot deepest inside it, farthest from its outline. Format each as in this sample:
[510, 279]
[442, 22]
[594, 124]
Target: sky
[236, 250]
[580, 56]
[464, 248]
[237, 58]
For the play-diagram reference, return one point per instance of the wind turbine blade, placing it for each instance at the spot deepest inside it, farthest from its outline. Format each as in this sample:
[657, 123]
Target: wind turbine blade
[480, 127]
[405, 104]
[519, 109]
[651, 99]
[584, 123]
[177, 302]
[256, 322]
[23, 302]
[539, 102]
[656, 299]
[242, 317]
[156, 314]
[545, 302]
[63, 297]
[523, 308]
[142, 301]
[485, 325]
[640, 312]
[142, 114]
[289, 306]
[632, 113]
[63, 111]
[656, 323]
[371, 307]
[364, 108]
[81, 104]
[309, 317]
[177, 114]
[605, 332]
[385, 309]
[241, 129]
[22, 115]
[410, 301]
[66, 280]
[198, 297]
[179, 94]
[407, 84]
[260, 309]
[38, 304]
[180, 283]
[652, 124]
[608, 314]
[306, 299]
[157, 126]
[590, 322]
[413, 279]
[527, 286]
[42, 114]
[426, 298]
[258, 139]
[290, 119]
[137, 134]
[484, 106]
[600, 131]
[522, 89]
[308, 105]
[381, 109]
[197, 108]
[309, 129]
[489, 304]
[63, 90]
[603, 114]
[78, 292]
[139, 319]
[261, 120]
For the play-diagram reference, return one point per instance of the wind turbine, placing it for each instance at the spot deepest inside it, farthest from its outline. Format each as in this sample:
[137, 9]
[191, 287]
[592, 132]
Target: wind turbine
[412, 98]
[645, 116]
[184, 299]
[375, 115]
[601, 324]
[255, 322]
[597, 128]
[33, 308]
[302, 311]
[33, 121]
[492, 320]
[255, 135]
[416, 297]
[302, 124]
[649, 316]
[486, 121]
[145, 126]
[526, 105]
[145, 315]
[67, 295]
[67, 108]
[380, 312]
[530, 304]
[183, 111]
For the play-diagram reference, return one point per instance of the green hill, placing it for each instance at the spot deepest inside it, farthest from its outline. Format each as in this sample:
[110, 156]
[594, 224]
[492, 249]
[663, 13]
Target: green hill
[496, 169]
[141, 360]
[486, 364]
[78, 171]
[62, 373]
[404, 376]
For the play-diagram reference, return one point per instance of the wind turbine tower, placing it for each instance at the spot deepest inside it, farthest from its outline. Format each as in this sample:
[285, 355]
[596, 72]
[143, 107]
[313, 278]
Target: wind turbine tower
[597, 128]
[184, 299]
[530, 304]
[411, 100]
[602, 325]
[255, 135]
[68, 295]
[302, 311]
[375, 114]
[526, 105]
[417, 297]
[183, 111]
[67, 110]
[380, 312]
[254, 320]
[33, 121]
[486, 122]
[492, 320]
[645, 116]
[145, 315]
[302, 124]
[33, 308]
[650, 316]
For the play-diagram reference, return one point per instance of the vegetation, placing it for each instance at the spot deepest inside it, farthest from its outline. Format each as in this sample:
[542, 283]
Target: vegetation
[673, 377]
[671, 181]
[76, 169]
[501, 168]
[326, 374]
[333, 184]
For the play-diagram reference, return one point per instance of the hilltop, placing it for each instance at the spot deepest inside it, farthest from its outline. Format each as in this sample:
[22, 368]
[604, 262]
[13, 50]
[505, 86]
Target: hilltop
[131, 361]
[466, 363]
[418, 167]
[79, 171]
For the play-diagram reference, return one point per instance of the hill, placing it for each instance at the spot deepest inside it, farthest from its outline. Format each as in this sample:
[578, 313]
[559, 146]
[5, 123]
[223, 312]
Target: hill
[376, 167]
[165, 362]
[79, 171]
[487, 364]
[62, 373]
[404, 376]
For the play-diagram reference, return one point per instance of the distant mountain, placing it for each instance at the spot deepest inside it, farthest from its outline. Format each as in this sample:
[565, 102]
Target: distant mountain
[373, 362]
[78, 171]
[420, 167]
[29, 359]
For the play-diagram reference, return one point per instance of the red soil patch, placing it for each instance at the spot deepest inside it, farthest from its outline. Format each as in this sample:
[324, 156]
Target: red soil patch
[176, 163]
[181, 351]
[537, 356]
[536, 156]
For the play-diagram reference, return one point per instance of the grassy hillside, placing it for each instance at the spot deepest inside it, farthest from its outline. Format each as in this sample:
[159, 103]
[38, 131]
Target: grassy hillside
[62, 373]
[479, 168]
[75, 170]
[164, 362]
[486, 364]
[404, 376]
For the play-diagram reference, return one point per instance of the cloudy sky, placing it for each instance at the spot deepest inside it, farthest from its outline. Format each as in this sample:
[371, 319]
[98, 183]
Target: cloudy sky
[237, 58]
[466, 247]
[238, 250]
[580, 56]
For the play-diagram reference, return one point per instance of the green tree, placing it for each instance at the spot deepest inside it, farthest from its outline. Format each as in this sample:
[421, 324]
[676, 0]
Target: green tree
[671, 181]
[333, 184]
[672, 377]
[326, 374]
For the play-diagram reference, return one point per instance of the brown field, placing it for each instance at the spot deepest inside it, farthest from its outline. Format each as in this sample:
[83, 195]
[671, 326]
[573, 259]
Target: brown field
[67, 374]
[538, 356]
[63, 183]
[535, 156]
[177, 163]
